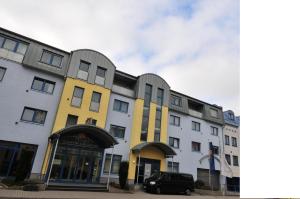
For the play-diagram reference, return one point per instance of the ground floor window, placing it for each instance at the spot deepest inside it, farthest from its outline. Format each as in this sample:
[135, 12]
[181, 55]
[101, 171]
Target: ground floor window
[16, 159]
[174, 168]
[115, 165]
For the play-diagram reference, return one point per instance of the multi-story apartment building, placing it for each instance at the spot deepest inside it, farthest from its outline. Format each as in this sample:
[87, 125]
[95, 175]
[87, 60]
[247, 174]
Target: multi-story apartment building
[231, 132]
[76, 118]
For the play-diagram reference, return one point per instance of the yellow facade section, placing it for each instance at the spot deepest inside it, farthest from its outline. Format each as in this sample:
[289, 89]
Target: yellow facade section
[151, 153]
[151, 124]
[83, 111]
[136, 122]
[164, 125]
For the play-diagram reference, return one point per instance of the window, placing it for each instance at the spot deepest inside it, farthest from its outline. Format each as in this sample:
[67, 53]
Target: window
[214, 130]
[51, 58]
[13, 45]
[115, 165]
[34, 115]
[216, 150]
[95, 101]
[100, 75]
[214, 113]
[117, 131]
[195, 126]
[77, 96]
[120, 106]
[83, 71]
[71, 120]
[176, 101]
[159, 101]
[228, 158]
[235, 160]
[2, 73]
[227, 142]
[173, 167]
[91, 121]
[196, 146]
[42, 85]
[174, 142]
[231, 116]
[160, 96]
[174, 120]
[234, 141]
[148, 95]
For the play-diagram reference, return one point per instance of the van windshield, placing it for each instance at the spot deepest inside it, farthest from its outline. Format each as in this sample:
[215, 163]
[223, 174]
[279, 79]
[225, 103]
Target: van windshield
[155, 175]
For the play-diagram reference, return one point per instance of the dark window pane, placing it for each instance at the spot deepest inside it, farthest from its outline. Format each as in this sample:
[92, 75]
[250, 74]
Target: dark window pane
[100, 72]
[71, 120]
[84, 66]
[96, 97]
[39, 117]
[2, 72]
[1, 41]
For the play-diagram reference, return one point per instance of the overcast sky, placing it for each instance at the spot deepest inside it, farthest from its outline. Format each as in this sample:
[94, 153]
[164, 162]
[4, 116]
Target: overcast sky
[193, 45]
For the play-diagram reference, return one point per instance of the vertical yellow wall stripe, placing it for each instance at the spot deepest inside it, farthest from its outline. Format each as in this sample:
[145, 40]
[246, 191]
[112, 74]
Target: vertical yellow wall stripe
[164, 125]
[151, 124]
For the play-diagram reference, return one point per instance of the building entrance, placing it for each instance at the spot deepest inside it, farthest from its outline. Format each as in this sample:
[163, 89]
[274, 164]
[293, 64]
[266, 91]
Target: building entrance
[146, 169]
[78, 159]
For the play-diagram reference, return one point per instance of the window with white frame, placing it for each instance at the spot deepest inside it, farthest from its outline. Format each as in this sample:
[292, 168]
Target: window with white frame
[174, 120]
[83, 71]
[13, 45]
[234, 141]
[34, 115]
[195, 126]
[51, 58]
[173, 167]
[196, 146]
[174, 142]
[116, 160]
[95, 101]
[77, 96]
[100, 75]
[214, 130]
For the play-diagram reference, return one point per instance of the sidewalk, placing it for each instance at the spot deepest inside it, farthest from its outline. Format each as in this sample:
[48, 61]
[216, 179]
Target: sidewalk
[17, 194]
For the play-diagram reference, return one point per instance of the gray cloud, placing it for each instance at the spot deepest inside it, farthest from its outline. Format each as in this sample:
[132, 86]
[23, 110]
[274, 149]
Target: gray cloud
[195, 46]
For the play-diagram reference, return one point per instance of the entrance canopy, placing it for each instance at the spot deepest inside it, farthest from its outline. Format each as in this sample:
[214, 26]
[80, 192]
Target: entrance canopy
[99, 135]
[168, 151]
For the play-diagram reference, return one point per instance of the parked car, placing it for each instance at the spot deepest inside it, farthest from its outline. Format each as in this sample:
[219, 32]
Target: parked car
[169, 182]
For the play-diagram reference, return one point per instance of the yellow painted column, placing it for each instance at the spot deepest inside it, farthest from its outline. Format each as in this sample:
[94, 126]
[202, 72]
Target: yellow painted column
[151, 124]
[164, 125]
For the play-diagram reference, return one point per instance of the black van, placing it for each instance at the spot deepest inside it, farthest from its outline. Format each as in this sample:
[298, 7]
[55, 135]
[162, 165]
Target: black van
[169, 182]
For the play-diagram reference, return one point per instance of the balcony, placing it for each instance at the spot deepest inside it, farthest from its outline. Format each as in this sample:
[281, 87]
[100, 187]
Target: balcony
[195, 113]
[123, 90]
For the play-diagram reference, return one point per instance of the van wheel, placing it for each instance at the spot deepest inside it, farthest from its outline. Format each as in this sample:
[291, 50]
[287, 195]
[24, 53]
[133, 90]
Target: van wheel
[157, 190]
[188, 192]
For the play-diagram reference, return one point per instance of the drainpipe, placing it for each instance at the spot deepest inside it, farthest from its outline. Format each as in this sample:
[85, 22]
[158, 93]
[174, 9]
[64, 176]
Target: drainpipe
[111, 158]
[51, 163]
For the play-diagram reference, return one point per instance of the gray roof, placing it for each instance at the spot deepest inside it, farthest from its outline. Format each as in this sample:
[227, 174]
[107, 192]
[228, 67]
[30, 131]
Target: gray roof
[100, 136]
[168, 151]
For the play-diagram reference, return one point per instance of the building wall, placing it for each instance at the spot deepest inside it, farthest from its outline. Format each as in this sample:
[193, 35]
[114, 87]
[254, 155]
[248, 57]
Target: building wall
[188, 160]
[120, 119]
[15, 93]
[232, 131]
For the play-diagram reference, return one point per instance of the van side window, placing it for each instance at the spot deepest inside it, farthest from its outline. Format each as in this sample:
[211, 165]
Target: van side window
[166, 177]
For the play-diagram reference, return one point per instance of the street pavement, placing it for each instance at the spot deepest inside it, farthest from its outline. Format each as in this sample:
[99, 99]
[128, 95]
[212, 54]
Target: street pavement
[14, 194]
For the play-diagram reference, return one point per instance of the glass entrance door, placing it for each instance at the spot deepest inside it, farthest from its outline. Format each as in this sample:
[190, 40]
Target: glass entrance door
[77, 161]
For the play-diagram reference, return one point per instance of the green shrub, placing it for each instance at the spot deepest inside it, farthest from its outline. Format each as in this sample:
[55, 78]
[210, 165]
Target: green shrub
[123, 173]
